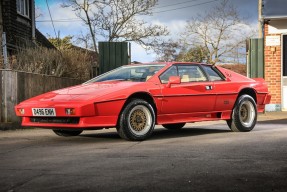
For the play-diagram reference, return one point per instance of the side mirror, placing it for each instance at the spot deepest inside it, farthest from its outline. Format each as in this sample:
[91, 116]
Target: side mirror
[173, 80]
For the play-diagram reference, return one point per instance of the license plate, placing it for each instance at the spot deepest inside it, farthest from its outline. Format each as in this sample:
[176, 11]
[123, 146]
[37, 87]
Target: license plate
[44, 112]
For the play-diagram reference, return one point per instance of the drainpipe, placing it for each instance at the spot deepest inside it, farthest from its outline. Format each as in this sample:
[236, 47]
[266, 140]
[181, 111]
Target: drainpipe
[260, 26]
[33, 21]
[1, 28]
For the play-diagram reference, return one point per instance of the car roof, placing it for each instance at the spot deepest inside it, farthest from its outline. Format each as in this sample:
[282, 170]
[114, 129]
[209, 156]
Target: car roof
[170, 63]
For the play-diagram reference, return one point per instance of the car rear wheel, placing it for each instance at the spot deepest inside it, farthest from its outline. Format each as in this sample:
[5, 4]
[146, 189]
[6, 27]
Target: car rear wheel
[67, 133]
[244, 115]
[137, 120]
[174, 126]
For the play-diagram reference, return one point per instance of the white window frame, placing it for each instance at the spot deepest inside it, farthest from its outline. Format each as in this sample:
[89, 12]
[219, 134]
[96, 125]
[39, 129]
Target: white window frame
[23, 7]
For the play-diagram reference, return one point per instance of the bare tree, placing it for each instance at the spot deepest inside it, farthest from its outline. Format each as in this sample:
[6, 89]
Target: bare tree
[118, 20]
[84, 39]
[85, 10]
[166, 51]
[219, 32]
[38, 12]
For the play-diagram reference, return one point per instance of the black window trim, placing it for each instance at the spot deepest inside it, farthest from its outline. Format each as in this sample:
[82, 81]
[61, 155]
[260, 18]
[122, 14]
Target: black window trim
[167, 70]
[223, 78]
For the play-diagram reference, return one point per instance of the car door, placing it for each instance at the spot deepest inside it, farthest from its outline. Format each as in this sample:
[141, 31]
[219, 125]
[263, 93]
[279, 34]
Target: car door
[193, 94]
[225, 90]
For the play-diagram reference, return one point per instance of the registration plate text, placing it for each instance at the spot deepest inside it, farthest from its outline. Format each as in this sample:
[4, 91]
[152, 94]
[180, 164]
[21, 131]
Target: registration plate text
[44, 112]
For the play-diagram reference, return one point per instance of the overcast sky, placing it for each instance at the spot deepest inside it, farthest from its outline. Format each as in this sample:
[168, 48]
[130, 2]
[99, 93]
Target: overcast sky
[171, 13]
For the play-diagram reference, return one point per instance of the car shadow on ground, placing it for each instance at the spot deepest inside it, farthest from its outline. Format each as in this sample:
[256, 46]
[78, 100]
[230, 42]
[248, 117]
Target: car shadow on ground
[187, 131]
[109, 135]
[161, 133]
[274, 122]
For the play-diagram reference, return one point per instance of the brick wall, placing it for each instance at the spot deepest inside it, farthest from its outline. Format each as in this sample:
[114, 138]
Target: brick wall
[273, 69]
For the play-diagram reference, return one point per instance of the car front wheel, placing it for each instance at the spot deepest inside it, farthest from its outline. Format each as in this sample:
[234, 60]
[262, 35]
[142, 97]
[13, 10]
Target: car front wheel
[137, 120]
[67, 133]
[244, 115]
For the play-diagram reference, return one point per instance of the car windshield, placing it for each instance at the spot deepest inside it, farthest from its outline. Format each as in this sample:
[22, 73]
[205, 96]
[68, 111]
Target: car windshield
[137, 73]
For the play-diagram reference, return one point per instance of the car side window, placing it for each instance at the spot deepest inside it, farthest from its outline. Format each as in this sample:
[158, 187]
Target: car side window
[172, 71]
[213, 75]
[191, 73]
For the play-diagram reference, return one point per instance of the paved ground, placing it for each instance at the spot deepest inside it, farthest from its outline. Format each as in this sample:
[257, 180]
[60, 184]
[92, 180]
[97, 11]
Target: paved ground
[200, 157]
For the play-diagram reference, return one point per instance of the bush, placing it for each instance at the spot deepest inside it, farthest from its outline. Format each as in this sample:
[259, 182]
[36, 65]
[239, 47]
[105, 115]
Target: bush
[72, 63]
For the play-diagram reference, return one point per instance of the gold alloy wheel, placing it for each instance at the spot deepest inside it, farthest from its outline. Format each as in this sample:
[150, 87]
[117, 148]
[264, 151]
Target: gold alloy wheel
[246, 113]
[140, 120]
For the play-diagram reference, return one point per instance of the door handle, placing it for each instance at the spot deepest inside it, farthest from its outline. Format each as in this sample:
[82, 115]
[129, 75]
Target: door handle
[208, 87]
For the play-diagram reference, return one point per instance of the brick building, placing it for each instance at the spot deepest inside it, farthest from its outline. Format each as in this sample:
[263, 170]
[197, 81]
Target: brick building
[275, 52]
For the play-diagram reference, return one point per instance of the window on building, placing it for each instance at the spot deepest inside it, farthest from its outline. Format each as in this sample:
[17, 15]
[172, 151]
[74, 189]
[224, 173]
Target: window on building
[23, 7]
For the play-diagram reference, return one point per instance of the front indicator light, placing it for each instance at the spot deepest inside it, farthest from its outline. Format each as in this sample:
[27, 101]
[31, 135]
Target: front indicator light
[21, 111]
[70, 111]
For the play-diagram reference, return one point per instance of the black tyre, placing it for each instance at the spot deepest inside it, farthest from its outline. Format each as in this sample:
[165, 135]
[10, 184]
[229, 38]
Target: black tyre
[175, 126]
[137, 120]
[67, 133]
[244, 115]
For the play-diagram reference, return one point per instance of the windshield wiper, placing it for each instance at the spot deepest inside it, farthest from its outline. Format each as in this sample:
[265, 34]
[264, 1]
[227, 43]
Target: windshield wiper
[137, 79]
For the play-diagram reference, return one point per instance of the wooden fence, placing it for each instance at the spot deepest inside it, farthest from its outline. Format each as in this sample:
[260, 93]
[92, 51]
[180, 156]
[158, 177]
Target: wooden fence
[17, 86]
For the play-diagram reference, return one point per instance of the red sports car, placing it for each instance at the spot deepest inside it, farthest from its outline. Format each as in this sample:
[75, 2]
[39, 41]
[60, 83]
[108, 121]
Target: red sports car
[135, 98]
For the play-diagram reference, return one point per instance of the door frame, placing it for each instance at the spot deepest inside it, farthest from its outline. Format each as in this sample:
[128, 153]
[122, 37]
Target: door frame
[283, 108]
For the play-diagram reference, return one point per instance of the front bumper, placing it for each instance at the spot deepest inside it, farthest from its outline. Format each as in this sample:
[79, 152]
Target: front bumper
[71, 122]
